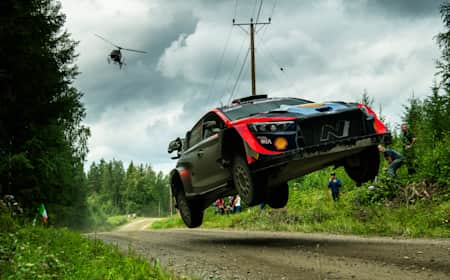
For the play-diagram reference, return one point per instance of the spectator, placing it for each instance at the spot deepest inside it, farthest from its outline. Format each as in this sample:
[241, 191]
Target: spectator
[237, 204]
[216, 209]
[334, 184]
[231, 203]
[220, 205]
[394, 158]
[408, 141]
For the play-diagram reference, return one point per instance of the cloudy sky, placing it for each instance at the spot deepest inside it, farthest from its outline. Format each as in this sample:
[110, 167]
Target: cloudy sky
[328, 50]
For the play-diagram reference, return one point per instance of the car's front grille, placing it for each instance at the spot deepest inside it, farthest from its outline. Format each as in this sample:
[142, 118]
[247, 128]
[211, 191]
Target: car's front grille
[327, 128]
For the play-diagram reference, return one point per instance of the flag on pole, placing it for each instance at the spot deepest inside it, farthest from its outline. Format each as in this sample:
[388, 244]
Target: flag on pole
[43, 213]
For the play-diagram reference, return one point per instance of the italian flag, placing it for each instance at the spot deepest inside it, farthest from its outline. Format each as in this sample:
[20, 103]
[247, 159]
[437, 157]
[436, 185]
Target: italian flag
[43, 213]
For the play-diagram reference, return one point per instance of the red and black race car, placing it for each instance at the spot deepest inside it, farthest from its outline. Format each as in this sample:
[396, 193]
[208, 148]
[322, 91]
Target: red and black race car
[256, 145]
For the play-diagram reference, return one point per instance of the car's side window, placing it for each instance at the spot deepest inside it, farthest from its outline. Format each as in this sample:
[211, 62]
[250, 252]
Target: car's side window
[211, 125]
[196, 134]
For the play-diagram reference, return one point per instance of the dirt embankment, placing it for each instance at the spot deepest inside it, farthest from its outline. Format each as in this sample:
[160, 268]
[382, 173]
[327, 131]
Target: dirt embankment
[221, 254]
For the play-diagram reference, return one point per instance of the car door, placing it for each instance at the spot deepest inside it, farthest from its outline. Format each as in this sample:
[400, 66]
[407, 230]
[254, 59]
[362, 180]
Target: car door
[188, 159]
[207, 172]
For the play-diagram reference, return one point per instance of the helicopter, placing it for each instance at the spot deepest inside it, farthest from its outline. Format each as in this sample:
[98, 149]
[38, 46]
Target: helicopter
[116, 55]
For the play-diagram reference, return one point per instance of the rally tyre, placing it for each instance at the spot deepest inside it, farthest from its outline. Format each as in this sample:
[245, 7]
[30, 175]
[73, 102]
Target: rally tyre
[244, 182]
[191, 215]
[363, 167]
[277, 197]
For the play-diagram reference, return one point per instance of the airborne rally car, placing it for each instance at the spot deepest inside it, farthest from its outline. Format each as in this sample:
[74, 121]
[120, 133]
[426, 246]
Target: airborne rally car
[256, 145]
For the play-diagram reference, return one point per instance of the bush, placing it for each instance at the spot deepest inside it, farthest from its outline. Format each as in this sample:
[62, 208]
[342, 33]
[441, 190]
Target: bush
[116, 221]
[7, 223]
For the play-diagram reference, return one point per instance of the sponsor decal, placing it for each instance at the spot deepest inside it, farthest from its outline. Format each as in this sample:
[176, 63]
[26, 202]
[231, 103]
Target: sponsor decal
[280, 143]
[311, 105]
[264, 140]
[340, 130]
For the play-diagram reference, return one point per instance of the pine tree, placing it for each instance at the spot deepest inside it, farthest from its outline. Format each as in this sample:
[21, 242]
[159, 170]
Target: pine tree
[42, 140]
[366, 99]
[443, 40]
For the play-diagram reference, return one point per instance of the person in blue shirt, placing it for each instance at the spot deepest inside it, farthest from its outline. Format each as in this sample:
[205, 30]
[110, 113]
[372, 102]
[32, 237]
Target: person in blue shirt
[394, 158]
[334, 184]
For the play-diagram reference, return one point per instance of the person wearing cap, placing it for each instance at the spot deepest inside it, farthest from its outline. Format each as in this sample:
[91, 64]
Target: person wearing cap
[334, 184]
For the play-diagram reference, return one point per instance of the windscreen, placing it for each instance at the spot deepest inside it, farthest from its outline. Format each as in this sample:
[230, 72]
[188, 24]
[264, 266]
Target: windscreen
[263, 106]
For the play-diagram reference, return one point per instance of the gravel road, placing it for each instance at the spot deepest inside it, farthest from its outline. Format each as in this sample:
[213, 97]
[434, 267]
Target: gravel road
[226, 254]
[138, 224]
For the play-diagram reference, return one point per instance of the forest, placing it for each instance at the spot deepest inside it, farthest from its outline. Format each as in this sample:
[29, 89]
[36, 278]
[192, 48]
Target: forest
[112, 190]
[43, 141]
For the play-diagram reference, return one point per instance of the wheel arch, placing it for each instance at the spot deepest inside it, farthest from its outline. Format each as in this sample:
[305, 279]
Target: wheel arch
[178, 181]
[232, 144]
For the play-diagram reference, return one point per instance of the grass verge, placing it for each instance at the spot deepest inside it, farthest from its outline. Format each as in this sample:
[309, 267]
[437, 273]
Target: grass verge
[49, 253]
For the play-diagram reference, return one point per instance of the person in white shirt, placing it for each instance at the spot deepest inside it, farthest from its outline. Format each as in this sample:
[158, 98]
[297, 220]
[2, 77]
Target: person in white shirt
[237, 204]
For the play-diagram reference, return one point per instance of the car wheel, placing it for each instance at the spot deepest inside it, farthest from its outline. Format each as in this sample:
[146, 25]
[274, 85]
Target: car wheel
[244, 182]
[364, 166]
[278, 196]
[192, 215]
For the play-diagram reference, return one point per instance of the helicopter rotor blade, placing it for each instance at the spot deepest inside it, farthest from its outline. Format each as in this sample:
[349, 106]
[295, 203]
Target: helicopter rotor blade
[132, 50]
[108, 41]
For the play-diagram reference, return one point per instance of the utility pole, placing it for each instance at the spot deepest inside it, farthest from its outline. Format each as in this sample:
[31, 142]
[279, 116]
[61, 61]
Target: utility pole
[252, 47]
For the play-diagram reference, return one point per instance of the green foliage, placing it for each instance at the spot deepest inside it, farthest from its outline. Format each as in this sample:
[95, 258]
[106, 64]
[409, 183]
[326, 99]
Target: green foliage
[170, 222]
[42, 139]
[429, 120]
[366, 99]
[113, 191]
[47, 253]
[443, 40]
[116, 221]
[347, 216]
[7, 223]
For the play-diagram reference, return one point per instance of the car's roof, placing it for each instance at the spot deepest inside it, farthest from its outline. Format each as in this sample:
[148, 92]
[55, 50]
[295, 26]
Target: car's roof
[242, 108]
[236, 103]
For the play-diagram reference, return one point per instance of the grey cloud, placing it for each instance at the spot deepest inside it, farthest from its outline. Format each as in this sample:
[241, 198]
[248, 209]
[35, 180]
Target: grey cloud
[387, 64]
[397, 8]
[139, 79]
[328, 49]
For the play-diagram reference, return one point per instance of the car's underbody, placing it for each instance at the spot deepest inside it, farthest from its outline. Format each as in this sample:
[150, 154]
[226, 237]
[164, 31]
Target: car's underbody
[298, 162]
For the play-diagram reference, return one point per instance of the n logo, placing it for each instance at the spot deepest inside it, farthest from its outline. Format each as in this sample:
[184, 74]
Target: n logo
[330, 132]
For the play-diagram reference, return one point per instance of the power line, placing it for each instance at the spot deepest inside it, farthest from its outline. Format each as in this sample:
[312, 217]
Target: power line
[252, 25]
[252, 32]
[254, 8]
[282, 69]
[273, 7]
[239, 76]
[242, 79]
[234, 65]
[259, 10]
[222, 56]
[271, 17]
[220, 64]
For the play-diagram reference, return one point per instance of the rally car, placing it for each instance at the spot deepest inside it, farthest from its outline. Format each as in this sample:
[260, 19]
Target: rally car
[254, 146]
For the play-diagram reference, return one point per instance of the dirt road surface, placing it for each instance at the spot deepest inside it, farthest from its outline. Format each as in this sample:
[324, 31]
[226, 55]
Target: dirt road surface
[223, 254]
[138, 224]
